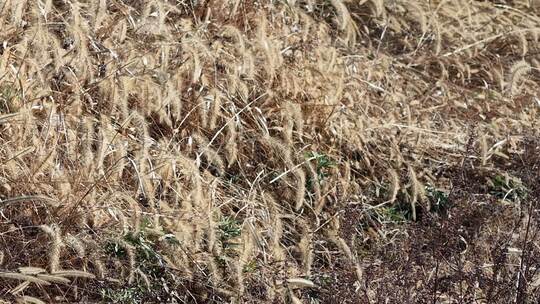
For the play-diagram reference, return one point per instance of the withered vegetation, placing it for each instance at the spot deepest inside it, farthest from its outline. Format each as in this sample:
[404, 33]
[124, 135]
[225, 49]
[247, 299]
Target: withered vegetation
[291, 151]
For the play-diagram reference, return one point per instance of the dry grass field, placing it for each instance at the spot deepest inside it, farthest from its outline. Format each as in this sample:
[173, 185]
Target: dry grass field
[269, 151]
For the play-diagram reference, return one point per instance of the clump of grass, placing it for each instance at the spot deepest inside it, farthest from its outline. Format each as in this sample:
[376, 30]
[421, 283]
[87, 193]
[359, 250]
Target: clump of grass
[144, 119]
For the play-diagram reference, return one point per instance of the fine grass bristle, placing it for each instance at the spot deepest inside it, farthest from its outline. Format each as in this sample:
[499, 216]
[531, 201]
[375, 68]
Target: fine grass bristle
[517, 72]
[55, 248]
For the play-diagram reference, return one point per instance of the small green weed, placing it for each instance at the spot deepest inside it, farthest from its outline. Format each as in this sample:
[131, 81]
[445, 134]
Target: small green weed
[326, 279]
[123, 295]
[114, 249]
[145, 247]
[507, 188]
[232, 176]
[229, 228]
[148, 259]
[398, 213]
[438, 199]
[401, 211]
[7, 94]
[322, 163]
[251, 266]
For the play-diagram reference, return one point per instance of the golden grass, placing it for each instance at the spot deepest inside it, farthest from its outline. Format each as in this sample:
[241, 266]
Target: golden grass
[141, 125]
